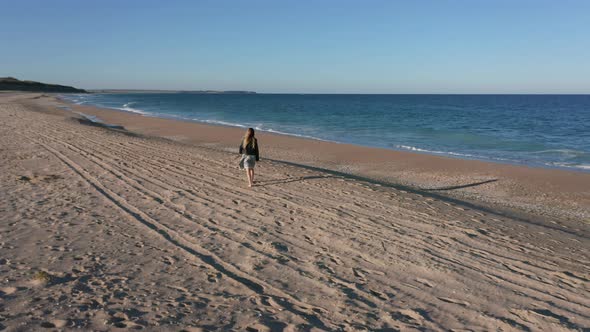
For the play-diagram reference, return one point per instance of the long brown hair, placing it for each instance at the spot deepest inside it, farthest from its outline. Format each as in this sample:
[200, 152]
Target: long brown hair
[249, 138]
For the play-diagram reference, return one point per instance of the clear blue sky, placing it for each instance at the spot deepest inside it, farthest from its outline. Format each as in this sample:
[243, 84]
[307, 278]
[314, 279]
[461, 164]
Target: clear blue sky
[314, 46]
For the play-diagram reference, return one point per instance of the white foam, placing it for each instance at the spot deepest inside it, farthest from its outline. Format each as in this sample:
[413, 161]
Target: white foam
[132, 110]
[563, 151]
[223, 123]
[296, 135]
[413, 148]
[77, 99]
[551, 164]
[569, 165]
[451, 153]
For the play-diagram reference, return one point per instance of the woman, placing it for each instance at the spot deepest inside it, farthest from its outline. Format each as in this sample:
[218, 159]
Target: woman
[249, 152]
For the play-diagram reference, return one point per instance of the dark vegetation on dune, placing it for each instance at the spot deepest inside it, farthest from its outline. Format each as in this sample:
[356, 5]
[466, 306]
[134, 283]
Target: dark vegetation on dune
[13, 84]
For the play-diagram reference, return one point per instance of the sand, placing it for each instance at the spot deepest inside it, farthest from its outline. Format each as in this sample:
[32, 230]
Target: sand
[549, 193]
[105, 229]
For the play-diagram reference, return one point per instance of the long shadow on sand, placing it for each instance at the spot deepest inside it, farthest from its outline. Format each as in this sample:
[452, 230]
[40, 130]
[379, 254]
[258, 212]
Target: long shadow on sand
[503, 212]
[460, 186]
[288, 180]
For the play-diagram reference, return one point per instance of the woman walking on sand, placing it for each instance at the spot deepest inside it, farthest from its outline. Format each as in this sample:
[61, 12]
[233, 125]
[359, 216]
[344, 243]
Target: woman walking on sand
[249, 152]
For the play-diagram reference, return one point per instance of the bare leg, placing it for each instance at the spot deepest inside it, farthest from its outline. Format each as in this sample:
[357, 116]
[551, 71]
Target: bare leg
[252, 176]
[249, 174]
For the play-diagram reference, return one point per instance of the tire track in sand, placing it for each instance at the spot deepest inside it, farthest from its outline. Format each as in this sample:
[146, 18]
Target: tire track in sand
[176, 239]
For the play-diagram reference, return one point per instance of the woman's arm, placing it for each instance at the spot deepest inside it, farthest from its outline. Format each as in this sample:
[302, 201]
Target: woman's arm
[241, 149]
[256, 150]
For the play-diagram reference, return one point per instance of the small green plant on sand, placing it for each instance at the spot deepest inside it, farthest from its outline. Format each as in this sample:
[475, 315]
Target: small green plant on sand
[42, 276]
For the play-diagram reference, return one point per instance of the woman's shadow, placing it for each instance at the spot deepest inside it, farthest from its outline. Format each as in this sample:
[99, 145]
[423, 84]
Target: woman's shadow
[289, 180]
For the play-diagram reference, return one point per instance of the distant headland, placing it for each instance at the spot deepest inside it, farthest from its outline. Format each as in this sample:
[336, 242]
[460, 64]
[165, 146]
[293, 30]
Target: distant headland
[13, 84]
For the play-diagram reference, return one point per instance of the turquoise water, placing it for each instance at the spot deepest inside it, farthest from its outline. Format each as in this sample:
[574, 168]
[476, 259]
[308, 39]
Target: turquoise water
[535, 130]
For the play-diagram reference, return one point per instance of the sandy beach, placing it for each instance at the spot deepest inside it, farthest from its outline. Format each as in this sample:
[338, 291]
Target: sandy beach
[552, 193]
[153, 227]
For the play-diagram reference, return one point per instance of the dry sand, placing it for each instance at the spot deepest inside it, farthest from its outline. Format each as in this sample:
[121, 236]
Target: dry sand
[108, 230]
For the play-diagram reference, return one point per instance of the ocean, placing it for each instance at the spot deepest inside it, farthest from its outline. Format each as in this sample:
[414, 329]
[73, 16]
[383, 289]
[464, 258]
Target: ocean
[534, 130]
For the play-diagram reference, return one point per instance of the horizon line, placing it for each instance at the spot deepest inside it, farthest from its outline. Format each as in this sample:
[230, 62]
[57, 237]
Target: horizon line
[337, 93]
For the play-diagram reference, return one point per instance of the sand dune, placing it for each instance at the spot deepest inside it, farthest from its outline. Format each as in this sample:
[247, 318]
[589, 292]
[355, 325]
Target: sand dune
[104, 229]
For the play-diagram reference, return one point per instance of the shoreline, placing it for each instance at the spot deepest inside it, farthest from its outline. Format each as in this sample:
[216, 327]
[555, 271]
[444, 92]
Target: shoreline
[399, 148]
[410, 149]
[543, 192]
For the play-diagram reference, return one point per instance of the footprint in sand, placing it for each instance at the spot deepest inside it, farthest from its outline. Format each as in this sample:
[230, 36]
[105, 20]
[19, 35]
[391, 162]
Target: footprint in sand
[575, 276]
[213, 277]
[280, 246]
[551, 316]
[483, 231]
[6, 291]
[126, 320]
[169, 260]
[424, 282]
[378, 294]
[454, 301]
[48, 325]
[359, 273]
[258, 328]
[282, 259]
[471, 233]
[334, 259]
[408, 316]
[270, 302]
[325, 267]
[118, 322]
[39, 178]
[178, 288]
[56, 323]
